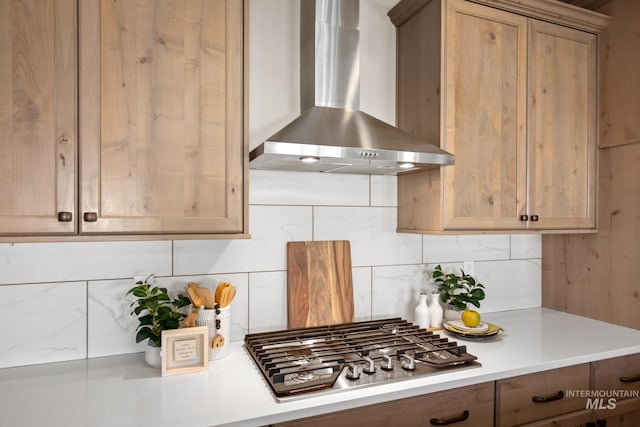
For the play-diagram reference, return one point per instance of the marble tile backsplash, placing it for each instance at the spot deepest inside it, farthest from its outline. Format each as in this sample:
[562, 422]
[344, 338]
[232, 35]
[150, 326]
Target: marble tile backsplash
[65, 301]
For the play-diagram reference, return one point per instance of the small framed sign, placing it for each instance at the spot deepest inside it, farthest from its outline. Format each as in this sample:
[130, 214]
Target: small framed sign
[185, 351]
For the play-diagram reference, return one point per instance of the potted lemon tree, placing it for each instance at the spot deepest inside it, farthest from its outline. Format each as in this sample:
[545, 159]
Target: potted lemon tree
[457, 292]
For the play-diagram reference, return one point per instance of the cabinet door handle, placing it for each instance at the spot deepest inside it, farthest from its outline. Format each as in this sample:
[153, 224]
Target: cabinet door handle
[534, 217]
[524, 217]
[630, 379]
[90, 217]
[65, 216]
[450, 420]
[543, 399]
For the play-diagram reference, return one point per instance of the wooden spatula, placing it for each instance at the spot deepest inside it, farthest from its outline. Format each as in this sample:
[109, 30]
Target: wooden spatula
[207, 297]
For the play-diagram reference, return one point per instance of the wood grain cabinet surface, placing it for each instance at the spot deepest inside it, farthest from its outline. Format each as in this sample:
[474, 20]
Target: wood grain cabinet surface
[528, 398]
[621, 374]
[514, 99]
[466, 406]
[38, 104]
[146, 139]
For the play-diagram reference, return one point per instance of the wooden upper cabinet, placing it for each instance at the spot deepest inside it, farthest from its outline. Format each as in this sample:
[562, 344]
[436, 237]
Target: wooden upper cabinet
[38, 64]
[561, 127]
[161, 116]
[513, 98]
[620, 87]
[484, 117]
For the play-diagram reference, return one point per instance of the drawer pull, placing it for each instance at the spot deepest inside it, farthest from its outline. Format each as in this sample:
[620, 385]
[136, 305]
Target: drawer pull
[543, 399]
[90, 217]
[450, 420]
[630, 379]
[524, 217]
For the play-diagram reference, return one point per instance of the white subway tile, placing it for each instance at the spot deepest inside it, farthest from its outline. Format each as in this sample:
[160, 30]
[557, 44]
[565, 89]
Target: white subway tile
[271, 228]
[510, 285]
[362, 293]
[526, 246]
[112, 328]
[384, 190]
[267, 301]
[43, 323]
[308, 188]
[372, 233]
[447, 248]
[396, 290]
[71, 261]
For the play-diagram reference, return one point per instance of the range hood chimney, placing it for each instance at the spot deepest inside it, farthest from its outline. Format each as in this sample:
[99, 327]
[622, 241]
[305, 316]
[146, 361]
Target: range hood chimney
[332, 134]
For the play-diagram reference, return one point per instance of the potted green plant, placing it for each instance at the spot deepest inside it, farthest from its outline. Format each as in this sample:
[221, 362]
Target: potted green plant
[156, 311]
[457, 291]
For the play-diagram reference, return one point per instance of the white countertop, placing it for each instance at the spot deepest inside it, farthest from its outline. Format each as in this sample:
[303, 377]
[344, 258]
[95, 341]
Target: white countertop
[124, 391]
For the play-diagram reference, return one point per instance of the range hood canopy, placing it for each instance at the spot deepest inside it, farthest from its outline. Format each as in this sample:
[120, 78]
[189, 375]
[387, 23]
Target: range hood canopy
[332, 134]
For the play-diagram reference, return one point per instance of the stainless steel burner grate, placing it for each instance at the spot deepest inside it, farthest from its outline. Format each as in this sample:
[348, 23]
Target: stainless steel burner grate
[299, 361]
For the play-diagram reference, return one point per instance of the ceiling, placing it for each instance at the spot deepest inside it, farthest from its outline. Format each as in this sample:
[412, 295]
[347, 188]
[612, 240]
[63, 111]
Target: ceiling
[588, 4]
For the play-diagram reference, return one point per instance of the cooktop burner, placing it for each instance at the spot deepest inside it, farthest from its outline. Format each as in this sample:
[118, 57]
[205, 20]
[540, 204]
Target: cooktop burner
[331, 358]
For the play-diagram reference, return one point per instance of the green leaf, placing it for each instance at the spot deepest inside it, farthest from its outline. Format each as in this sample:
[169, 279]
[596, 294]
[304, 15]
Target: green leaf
[477, 294]
[143, 334]
[146, 319]
[140, 293]
[171, 324]
[164, 313]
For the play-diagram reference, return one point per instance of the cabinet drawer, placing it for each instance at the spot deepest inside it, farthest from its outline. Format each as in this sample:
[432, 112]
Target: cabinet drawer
[541, 395]
[620, 373]
[471, 406]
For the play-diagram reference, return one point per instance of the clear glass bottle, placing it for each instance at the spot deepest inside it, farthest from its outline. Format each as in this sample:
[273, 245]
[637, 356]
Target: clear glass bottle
[435, 311]
[422, 318]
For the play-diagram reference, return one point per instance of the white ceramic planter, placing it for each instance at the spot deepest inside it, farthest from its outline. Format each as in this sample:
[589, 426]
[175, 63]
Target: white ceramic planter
[452, 313]
[153, 356]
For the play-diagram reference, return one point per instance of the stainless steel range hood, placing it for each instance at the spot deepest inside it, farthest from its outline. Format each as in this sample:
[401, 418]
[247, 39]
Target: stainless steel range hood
[332, 134]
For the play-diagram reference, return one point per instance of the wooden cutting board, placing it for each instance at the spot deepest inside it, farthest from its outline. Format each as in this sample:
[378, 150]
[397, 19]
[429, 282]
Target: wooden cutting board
[319, 283]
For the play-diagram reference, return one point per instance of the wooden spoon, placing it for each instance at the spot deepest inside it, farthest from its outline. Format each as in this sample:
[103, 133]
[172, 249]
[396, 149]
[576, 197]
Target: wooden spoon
[219, 289]
[194, 296]
[228, 293]
[190, 320]
[207, 297]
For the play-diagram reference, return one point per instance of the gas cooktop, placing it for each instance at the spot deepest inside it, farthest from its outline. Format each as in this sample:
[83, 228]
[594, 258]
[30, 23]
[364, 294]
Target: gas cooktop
[302, 362]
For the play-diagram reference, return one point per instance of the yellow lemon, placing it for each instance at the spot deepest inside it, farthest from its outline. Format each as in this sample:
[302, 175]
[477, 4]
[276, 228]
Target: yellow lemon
[470, 318]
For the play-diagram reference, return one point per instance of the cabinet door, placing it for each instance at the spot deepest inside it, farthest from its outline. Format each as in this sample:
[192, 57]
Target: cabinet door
[38, 81]
[161, 116]
[466, 406]
[532, 397]
[485, 117]
[561, 127]
[625, 414]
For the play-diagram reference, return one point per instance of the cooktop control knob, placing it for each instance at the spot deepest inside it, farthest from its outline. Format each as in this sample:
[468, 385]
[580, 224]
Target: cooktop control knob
[407, 362]
[371, 366]
[387, 363]
[353, 372]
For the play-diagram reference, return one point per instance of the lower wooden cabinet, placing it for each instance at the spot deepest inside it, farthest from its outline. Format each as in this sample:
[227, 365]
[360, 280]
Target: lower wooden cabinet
[620, 377]
[466, 406]
[528, 398]
[574, 396]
